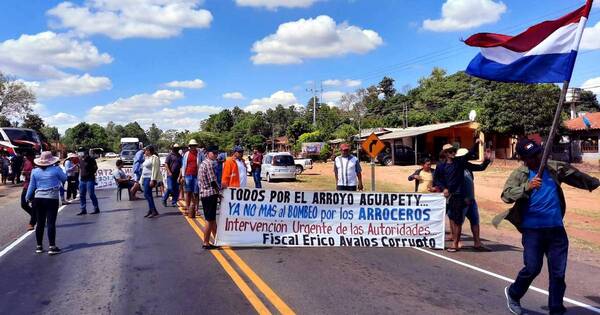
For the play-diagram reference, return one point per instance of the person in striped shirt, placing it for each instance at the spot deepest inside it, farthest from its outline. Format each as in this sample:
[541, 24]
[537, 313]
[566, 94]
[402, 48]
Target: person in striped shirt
[209, 193]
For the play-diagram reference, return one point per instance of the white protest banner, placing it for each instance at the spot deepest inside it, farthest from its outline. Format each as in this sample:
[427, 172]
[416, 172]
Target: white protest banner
[105, 179]
[256, 217]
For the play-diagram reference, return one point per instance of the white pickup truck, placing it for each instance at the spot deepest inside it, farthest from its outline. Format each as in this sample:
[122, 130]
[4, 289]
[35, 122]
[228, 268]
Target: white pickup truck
[301, 165]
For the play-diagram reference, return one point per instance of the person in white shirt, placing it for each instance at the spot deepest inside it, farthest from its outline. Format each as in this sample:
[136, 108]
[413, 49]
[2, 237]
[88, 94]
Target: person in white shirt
[347, 170]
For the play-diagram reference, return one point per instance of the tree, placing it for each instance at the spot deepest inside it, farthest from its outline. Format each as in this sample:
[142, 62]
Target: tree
[87, 136]
[50, 133]
[588, 102]
[386, 86]
[4, 121]
[154, 134]
[15, 98]
[134, 130]
[33, 121]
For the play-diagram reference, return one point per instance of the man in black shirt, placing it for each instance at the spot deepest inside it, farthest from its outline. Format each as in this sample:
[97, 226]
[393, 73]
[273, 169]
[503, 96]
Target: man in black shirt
[87, 181]
[173, 166]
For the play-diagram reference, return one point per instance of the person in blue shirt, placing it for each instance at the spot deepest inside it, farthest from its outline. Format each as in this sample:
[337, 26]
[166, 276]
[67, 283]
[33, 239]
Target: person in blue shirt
[43, 192]
[138, 160]
[538, 214]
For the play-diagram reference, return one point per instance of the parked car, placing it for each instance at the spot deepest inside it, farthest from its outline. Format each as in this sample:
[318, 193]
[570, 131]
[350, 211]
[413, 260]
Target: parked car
[302, 164]
[278, 165]
[403, 155]
[111, 155]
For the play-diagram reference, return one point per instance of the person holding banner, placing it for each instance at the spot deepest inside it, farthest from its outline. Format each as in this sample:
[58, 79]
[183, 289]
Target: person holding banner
[347, 170]
[538, 211]
[423, 177]
[209, 194]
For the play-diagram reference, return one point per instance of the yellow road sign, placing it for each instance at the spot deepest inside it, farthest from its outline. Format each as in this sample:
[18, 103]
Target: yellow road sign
[373, 145]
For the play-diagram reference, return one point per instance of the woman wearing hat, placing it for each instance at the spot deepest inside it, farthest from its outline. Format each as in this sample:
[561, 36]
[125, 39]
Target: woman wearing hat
[72, 169]
[43, 190]
[151, 175]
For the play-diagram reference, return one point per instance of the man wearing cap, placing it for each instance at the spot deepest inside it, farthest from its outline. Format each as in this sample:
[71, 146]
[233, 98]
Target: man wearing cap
[209, 193]
[347, 170]
[449, 177]
[87, 182]
[189, 171]
[72, 169]
[234, 170]
[173, 165]
[538, 211]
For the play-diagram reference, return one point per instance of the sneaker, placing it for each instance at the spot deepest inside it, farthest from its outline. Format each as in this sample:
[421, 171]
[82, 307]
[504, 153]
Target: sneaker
[65, 202]
[53, 250]
[39, 249]
[96, 211]
[83, 212]
[514, 306]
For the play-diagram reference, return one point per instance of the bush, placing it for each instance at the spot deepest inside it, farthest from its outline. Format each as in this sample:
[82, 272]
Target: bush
[325, 153]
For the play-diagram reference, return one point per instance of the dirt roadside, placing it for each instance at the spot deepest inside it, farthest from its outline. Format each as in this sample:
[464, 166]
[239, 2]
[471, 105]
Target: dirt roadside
[581, 221]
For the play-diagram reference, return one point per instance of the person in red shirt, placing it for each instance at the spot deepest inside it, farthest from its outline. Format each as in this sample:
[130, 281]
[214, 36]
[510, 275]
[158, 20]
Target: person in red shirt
[189, 171]
[257, 159]
[27, 168]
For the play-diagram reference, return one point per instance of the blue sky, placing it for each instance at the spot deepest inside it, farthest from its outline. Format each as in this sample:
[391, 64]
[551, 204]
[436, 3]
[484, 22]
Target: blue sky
[176, 62]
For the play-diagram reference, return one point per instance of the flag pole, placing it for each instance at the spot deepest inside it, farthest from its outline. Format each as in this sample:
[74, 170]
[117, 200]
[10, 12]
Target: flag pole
[553, 129]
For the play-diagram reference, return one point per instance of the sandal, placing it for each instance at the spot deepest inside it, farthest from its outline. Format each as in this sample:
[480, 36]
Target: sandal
[452, 249]
[209, 246]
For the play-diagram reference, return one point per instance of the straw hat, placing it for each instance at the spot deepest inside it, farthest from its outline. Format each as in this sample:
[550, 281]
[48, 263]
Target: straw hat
[72, 155]
[46, 159]
[447, 147]
[193, 142]
[462, 152]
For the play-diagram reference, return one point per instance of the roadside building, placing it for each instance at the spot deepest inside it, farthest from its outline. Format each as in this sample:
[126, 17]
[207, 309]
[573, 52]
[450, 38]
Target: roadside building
[279, 144]
[584, 135]
[413, 143]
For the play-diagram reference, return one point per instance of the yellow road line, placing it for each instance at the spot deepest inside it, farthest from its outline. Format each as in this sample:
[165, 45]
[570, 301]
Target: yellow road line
[281, 306]
[258, 305]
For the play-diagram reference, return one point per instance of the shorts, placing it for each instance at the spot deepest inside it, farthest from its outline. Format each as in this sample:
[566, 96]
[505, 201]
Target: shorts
[346, 188]
[191, 184]
[473, 213]
[127, 185]
[209, 207]
[457, 208]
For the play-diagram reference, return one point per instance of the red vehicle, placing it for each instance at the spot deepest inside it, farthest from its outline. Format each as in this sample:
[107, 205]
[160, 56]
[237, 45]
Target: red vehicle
[19, 139]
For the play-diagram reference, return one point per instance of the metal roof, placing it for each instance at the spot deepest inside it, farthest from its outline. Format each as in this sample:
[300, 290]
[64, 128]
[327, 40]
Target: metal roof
[396, 133]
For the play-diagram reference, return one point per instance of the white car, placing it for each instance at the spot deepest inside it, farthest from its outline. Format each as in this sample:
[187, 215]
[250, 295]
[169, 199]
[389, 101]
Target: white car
[278, 165]
[111, 155]
[302, 164]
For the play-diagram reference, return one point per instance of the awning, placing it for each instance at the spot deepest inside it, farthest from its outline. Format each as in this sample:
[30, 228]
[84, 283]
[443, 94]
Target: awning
[397, 133]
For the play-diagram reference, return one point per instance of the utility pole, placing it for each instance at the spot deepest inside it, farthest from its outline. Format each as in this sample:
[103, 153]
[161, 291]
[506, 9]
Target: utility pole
[314, 91]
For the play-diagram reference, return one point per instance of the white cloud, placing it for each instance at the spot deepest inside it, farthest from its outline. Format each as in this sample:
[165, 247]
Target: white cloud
[152, 108]
[233, 96]
[62, 121]
[191, 84]
[68, 86]
[332, 98]
[591, 38]
[119, 19]
[320, 37]
[43, 55]
[129, 109]
[345, 83]
[280, 97]
[465, 14]
[592, 85]
[274, 4]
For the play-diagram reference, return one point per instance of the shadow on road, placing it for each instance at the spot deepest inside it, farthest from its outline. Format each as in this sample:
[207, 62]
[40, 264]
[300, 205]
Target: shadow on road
[77, 246]
[166, 214]
[73, 224]
[596, 299]
[116, 210]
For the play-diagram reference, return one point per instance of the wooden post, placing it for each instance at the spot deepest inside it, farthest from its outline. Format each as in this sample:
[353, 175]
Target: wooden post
[552, 134]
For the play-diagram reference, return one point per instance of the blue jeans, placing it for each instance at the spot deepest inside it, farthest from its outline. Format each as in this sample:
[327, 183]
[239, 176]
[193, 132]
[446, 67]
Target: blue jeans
[84, 187]
[553, 243]
[256, 176]
[172, 189]
[148, 194]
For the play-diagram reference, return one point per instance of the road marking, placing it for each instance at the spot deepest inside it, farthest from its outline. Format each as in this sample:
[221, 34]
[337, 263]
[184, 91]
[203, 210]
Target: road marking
[258, 305]
[507, 279]
[281, 306]
[20, 239]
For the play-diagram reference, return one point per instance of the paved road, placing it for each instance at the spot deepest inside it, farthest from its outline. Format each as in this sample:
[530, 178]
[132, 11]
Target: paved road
[118, 262]
[14, 220]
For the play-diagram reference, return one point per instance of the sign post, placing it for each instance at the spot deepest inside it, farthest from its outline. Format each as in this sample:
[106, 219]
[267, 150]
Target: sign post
[372, 145]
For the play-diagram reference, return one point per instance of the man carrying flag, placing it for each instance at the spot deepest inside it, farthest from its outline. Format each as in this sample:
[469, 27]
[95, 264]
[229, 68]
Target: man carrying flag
[544, 53]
